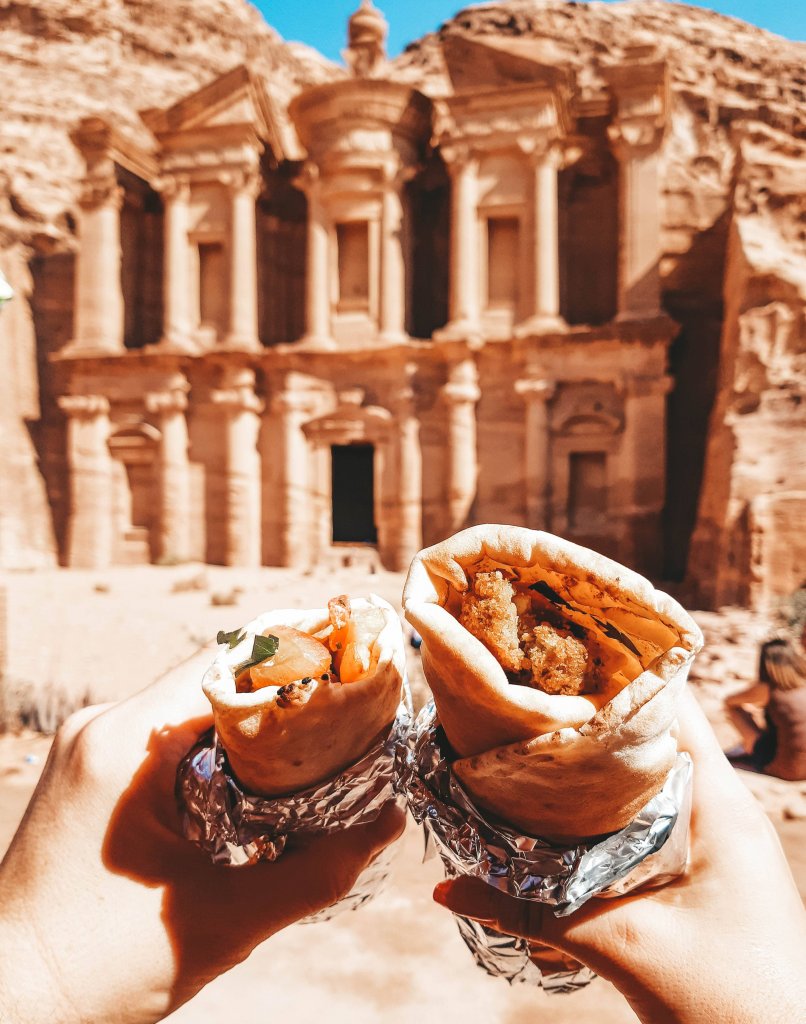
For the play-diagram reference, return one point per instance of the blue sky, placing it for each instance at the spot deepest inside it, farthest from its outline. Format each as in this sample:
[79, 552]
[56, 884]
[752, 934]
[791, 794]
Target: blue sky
[322, 23]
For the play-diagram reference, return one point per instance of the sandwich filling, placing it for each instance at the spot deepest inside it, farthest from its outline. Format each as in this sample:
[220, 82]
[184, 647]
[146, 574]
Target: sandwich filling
[294, 663]
[532, 642]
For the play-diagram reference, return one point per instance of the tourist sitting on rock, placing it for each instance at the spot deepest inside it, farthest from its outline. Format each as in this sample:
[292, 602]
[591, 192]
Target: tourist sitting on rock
[771, 715]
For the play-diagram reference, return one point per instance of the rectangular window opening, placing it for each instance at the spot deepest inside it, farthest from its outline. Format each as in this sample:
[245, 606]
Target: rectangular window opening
[352, 240]
[587, 490]
[212, 287]
[503, 240]
[353, 493]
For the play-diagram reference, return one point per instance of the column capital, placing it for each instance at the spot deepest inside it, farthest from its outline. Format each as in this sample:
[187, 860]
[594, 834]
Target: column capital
[100, 191]
[640, 387]
[173, 186]
[630, 137]
[170, 400]
[244, 180]
[533, 389]
[284, 402]
[83, 406]
[542, 150]
[309, 178]
[462, 383]
[457, 157]
[237, 399]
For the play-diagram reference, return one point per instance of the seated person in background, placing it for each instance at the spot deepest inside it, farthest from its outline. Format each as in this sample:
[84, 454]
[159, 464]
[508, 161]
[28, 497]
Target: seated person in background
[771, 715]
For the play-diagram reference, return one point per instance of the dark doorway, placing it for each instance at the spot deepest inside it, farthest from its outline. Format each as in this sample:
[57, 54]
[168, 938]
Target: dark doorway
[352, 482]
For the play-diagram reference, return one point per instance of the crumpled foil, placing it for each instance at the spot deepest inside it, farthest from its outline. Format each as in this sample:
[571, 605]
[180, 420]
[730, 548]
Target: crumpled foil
[652, 849]
[236, 827]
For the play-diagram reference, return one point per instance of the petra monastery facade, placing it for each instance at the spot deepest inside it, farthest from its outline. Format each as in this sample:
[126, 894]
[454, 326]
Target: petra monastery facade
[371, 317]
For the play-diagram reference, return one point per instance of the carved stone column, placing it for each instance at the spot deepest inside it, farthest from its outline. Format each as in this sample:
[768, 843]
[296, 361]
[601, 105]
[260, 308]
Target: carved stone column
[173, 532]
[460, 394]
[178, 326]
[402, 508]
[636, 134]
[643, 470]
[89, 526]
[393, 267]
[537, 394]
[241, 409]
[290, 411]
[98, 327]
[465, 308]
[317, 282]
[243, 326]
[546, 161]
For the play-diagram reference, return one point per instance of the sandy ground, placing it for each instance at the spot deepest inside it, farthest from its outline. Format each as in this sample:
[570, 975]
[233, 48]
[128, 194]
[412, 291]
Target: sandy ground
[74, 636]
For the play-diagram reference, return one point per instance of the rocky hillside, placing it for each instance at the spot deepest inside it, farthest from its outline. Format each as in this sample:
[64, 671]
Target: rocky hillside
[63, 59]
[734, 272]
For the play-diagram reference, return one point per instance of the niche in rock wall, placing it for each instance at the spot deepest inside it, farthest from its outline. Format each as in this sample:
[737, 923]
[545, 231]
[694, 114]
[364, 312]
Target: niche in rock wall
[134, 493]
[281, 242]
[428, 198]
[141, 245]
[589, 238]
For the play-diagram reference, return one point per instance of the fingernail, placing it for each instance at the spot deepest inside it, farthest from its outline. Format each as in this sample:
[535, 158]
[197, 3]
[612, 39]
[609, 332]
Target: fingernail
[441, 893]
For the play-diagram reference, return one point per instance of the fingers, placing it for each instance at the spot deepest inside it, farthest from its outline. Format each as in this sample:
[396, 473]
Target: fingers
[471, 897]
[596, 935]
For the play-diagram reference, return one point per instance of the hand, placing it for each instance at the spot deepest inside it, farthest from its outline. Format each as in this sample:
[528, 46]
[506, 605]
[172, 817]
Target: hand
[726, 943]
[106, 911]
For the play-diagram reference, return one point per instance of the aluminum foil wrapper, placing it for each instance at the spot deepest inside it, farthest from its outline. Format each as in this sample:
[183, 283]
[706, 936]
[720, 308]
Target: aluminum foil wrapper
[236, 827]
[651, 850]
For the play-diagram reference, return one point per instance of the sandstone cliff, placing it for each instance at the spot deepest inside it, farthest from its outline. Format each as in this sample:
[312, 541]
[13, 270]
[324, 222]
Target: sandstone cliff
[734, 272]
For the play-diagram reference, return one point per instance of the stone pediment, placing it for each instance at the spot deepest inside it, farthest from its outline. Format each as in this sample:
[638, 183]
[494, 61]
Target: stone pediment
[497, 62]
[237, 99]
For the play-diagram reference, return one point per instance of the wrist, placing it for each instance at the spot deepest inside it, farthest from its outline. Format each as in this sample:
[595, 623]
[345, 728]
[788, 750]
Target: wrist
[30, 990]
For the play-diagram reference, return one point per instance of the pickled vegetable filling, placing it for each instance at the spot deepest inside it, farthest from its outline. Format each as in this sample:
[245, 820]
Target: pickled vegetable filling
[296, 662]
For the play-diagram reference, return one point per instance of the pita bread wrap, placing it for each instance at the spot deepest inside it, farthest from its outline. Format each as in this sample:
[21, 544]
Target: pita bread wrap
[564, 767]
[275, 747]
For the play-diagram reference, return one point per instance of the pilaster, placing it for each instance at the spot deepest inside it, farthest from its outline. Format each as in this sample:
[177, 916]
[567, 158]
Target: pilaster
[537, 393]
[400, 534]
[636, 134]
[173, 536]
[240, 407]
[290, 410]
[460, 393]
[244, 188]
[178, 324]
[89, 526]
[318, 330]
[99, 319]
[465, 307]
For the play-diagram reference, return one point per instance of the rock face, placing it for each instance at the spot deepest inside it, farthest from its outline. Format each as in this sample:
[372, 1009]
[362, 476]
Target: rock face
[733, 274]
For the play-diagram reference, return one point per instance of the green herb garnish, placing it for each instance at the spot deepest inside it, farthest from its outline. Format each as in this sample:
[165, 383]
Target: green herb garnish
[264, 647]
[231, 639]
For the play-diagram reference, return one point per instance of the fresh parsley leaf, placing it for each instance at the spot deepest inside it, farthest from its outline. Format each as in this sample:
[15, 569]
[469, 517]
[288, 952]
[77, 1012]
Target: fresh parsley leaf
[231, 639]
[263, 647]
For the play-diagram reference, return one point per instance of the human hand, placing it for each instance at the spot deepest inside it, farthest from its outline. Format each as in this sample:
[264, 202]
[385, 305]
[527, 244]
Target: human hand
[106, 911]
[725, 943]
